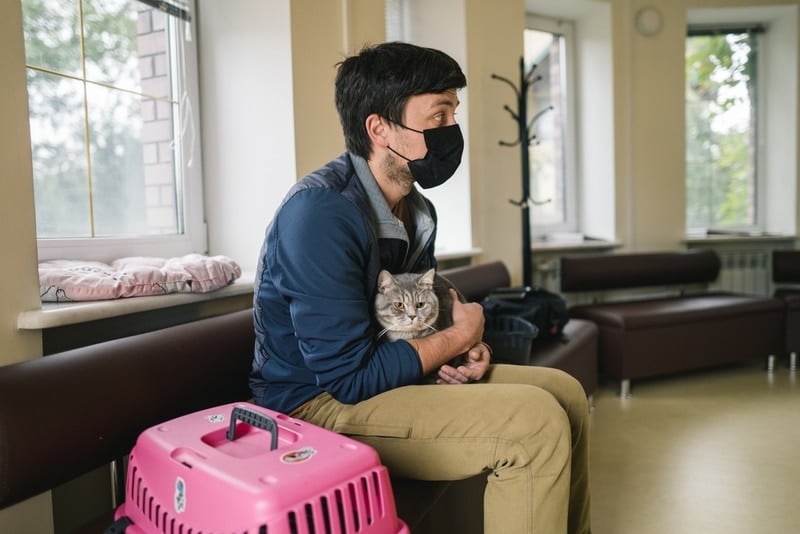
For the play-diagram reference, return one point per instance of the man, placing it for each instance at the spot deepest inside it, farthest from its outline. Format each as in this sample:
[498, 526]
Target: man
[316, 354]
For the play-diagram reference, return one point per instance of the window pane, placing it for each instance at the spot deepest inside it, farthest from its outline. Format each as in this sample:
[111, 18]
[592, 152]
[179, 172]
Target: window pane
[546, 106]
[720, 131]
[115, 130]
[58, 143]
[52, 37]
[126, 44]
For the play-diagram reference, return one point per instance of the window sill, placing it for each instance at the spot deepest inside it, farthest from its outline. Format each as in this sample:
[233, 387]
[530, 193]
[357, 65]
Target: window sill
[458, 254]
[588, 244]
[53, 315]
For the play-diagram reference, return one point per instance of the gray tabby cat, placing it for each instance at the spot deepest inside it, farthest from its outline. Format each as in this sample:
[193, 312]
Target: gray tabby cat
[412, 305]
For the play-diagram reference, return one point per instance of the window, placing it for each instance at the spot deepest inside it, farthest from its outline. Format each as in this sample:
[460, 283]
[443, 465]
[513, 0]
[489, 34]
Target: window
[115, 167]
[552, 183]
[722, 126]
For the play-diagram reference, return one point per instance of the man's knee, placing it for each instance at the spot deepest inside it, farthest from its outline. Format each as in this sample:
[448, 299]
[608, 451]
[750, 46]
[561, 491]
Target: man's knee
[573, 394]
[538, 429]
[535, 411]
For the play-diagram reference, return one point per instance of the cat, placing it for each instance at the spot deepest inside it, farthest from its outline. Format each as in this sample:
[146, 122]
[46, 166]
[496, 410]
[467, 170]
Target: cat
[413, 305]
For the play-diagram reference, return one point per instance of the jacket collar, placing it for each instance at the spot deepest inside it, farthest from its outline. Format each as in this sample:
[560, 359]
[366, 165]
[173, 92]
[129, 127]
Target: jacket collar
[386, 224]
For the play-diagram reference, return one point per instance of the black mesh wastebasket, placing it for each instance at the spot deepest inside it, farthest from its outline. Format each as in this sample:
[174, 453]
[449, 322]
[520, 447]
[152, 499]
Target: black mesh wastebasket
[510, 338]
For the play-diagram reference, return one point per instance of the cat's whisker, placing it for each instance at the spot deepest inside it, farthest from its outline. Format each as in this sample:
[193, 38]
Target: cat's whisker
[431, 327]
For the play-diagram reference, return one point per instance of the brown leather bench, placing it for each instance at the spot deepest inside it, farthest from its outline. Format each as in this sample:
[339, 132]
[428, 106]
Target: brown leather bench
[68, 413]
[786, 277]
[679, 325]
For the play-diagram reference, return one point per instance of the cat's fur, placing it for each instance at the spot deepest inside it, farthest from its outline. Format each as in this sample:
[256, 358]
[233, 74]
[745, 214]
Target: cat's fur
[413, 305]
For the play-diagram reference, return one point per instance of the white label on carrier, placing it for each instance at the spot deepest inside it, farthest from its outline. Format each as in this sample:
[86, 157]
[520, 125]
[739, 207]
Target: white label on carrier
[180, 495]
[301, 455]
[215, 418]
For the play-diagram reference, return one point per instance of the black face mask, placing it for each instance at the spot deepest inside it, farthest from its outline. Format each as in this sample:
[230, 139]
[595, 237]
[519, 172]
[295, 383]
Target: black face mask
[445, 146]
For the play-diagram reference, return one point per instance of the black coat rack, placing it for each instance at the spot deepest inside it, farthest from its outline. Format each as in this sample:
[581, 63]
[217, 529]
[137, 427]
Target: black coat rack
[524, 140]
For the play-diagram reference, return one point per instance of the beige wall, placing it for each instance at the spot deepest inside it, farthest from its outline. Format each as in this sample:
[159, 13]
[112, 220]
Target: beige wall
[19, 285]
[494, 46]
[650, 145]
[324, 33]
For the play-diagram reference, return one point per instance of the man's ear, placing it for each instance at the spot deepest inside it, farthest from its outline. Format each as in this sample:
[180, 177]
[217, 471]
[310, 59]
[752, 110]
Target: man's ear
[377, 130]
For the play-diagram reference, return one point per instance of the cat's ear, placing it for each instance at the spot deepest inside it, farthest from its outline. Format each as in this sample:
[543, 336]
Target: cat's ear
[426, 280]
[385, 280]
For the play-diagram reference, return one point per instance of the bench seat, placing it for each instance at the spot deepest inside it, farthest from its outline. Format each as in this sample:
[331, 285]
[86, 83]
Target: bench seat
[657, 337]
[658, 334]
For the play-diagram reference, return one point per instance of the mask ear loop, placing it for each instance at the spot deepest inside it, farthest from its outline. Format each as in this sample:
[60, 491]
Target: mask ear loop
[400, 124]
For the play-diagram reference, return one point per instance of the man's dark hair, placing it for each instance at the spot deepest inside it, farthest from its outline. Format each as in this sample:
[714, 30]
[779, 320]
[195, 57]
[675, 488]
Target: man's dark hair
[381, 78]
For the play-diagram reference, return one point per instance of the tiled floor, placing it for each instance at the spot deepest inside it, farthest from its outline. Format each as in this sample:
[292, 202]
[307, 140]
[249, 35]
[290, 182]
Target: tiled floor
[715, 452]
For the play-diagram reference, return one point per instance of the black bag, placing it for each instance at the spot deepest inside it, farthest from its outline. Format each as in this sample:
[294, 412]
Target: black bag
[545, 310]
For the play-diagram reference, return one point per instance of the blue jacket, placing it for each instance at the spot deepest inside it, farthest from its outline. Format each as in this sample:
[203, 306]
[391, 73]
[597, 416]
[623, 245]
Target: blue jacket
[315, 286]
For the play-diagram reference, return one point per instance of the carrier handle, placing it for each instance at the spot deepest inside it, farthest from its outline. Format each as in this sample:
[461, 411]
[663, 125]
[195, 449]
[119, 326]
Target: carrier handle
[256, 419]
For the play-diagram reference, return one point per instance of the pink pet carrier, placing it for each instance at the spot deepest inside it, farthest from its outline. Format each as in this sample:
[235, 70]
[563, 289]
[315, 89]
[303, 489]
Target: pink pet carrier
[246, 469]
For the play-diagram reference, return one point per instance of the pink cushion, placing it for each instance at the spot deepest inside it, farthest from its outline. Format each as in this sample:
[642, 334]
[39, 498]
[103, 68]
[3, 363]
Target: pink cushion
[73, 280]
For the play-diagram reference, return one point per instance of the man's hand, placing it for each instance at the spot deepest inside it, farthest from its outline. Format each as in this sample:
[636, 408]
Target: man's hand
[468, 319]
[474, 367]
[437, 349]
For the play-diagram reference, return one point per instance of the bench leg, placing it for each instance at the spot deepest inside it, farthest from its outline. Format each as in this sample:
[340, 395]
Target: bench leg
[771, 363]
[625, 388]
[793, 361]
[117, 472]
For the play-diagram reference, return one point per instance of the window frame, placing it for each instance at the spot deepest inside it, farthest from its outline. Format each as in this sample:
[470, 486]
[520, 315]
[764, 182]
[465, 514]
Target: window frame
[565, 28]
[193, 238]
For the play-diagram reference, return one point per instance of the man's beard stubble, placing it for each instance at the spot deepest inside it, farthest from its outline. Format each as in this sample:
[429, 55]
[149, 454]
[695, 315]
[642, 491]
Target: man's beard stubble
[398, 173]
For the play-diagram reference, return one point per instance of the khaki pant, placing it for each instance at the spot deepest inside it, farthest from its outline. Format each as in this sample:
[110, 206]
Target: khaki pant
[525, 426]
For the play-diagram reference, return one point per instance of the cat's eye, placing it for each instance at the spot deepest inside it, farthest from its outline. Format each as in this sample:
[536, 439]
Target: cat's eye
[420, 305]
[399, 305]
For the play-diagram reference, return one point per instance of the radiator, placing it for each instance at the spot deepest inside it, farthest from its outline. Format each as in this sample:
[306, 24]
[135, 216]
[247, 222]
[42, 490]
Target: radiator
[745, 271]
